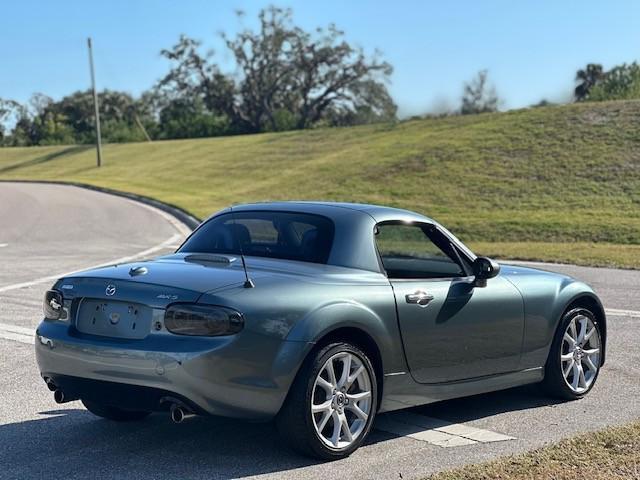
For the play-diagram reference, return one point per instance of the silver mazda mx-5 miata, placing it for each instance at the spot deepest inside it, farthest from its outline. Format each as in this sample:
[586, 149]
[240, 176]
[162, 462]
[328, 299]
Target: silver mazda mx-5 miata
[319, 315]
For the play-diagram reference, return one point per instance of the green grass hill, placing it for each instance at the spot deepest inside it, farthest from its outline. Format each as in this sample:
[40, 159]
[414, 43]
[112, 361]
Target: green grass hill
[558, 183]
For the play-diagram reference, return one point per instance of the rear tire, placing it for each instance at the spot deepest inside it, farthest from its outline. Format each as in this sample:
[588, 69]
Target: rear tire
[575, 357]
[114, 413]
[343, 404]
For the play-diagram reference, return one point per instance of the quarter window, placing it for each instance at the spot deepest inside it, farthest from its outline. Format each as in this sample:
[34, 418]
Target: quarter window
[416, 251]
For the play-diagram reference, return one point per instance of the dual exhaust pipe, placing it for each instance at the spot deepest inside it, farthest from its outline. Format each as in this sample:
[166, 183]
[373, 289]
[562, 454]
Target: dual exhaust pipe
[177, 411]
[58, 395]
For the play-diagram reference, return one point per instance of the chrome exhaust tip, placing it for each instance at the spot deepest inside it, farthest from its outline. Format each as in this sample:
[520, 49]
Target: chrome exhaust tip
[179, 414]
[58, 396]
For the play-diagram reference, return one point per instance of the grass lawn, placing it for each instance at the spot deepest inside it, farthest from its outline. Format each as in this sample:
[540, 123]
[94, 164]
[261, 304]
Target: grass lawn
[553, 183]
[612, 454]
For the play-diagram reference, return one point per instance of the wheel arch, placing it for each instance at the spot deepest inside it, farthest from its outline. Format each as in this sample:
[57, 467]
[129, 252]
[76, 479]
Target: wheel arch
[593, 304]
[373, 328]
[365, 342]
[356, 336]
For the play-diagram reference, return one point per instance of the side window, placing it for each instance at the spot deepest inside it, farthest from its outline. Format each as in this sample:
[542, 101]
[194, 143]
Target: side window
[409, 251]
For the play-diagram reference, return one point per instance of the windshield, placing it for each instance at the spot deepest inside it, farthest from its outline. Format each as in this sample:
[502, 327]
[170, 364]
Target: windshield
[285, 235]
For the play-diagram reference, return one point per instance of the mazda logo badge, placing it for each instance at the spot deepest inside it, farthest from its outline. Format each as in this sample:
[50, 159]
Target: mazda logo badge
[111, 290]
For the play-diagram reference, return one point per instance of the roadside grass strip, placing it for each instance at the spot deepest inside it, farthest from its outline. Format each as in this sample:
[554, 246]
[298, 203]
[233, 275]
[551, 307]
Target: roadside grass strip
[611, 454]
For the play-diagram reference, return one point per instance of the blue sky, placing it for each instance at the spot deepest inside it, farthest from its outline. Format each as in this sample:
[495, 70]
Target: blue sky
[531, 49]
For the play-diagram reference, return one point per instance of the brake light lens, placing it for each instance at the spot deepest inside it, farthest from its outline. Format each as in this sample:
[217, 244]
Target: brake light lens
[53, 305]
[203, 320]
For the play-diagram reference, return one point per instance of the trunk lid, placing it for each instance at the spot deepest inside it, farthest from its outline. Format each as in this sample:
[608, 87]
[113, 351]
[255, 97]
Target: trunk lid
[175, 278]
[127, 301]
[119, 308]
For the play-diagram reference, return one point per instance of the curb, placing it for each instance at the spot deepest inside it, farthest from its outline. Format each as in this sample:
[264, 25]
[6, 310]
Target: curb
[180, 214]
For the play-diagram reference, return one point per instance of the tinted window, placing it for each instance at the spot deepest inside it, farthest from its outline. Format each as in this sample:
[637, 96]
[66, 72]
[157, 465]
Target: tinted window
[290, 236]
[411, 251]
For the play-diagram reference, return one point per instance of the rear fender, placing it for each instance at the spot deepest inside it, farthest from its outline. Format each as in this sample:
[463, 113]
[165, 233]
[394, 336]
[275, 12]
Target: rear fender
[381, 327]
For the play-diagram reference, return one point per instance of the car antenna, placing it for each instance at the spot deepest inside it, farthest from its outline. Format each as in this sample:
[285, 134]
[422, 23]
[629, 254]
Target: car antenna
[248, 283]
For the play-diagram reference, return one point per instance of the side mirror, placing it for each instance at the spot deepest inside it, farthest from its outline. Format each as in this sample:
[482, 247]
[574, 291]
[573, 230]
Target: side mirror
[483, 269]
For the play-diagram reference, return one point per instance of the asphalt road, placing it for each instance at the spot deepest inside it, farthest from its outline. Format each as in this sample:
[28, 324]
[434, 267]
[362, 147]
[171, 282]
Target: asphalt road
[46, 231]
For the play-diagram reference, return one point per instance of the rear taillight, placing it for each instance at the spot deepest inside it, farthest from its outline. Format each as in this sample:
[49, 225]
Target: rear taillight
[204, 320]
[53, 305]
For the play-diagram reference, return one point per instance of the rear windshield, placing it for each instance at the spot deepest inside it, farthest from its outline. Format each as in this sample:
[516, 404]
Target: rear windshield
[289, 236]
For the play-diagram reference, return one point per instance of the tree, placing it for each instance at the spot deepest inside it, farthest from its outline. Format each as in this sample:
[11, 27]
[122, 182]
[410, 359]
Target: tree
[622, 82]
[4, 113]
[120, 115]
[187, 118]
[52, 128]
[286, 77]
[371, 104]
[46, 126]
[478, 96]
[193, 76]
[43, 121]
[587, 78]
[10, 111]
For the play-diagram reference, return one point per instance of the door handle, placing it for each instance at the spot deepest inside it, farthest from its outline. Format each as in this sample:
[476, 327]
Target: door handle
[420, 298]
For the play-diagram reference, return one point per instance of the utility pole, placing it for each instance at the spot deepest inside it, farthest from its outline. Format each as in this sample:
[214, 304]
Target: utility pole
[95, 104]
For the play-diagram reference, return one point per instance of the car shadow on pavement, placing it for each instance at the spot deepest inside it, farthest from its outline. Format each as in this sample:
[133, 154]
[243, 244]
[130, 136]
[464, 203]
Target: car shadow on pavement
[72, 443]
[477, 407]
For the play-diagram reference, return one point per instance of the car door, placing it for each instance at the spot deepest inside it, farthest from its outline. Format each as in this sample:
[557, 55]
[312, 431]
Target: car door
[451, 329]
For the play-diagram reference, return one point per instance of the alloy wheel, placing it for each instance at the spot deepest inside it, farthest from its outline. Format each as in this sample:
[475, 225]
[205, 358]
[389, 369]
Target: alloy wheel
[341, 400]
[580, 354]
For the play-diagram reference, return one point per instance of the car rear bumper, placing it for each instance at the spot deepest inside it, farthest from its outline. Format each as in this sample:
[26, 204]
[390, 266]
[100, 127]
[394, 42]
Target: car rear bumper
[245, 376]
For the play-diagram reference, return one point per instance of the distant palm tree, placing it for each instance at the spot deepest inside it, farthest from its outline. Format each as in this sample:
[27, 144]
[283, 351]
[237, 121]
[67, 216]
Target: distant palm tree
[587, 78]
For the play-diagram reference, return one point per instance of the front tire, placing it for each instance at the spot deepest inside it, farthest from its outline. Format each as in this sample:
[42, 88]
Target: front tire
[114, 413]
[332, 403]
[575, 356]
